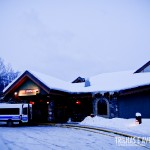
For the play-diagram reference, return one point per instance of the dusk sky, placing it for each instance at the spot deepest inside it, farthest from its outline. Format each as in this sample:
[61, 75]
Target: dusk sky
[71, 38]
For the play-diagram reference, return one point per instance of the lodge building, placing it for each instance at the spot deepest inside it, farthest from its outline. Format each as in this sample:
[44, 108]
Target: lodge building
[119, 94]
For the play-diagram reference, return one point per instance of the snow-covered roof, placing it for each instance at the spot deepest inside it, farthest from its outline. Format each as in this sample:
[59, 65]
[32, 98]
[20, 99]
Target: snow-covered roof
[101, 83]
[117, 81]
[51, 82]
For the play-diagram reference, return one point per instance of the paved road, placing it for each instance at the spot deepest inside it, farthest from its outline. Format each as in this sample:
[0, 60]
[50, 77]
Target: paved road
[55, 138]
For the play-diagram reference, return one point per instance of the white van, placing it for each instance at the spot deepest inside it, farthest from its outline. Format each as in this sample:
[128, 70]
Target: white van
[15, 113]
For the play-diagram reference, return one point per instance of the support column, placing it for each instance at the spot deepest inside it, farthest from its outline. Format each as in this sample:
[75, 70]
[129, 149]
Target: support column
[114, 107]
[51, 117]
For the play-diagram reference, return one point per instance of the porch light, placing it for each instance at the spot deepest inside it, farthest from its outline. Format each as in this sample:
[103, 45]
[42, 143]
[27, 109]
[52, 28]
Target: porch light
[78, 102]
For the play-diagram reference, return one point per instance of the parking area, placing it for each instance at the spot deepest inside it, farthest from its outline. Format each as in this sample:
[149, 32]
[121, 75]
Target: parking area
[54, 138]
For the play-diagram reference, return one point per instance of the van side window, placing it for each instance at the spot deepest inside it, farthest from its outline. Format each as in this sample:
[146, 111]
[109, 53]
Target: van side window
[25, 111]
[9, 111]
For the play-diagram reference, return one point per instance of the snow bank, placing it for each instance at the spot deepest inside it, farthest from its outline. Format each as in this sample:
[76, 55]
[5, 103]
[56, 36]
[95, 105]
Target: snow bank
[127, 125]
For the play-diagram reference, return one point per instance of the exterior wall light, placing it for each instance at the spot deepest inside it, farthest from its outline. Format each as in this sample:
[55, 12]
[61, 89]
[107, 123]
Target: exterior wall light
[15, 93]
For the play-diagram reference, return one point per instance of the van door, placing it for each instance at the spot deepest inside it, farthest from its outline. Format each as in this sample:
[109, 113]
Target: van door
[24, 113]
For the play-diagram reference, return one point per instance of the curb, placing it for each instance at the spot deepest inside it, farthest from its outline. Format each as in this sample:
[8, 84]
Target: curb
[105, 130]
[97, 129]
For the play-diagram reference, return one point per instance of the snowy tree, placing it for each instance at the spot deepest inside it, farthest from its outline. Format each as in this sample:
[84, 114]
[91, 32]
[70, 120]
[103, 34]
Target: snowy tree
[7, 74]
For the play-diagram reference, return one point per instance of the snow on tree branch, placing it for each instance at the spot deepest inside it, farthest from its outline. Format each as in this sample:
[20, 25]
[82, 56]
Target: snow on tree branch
[7, 74]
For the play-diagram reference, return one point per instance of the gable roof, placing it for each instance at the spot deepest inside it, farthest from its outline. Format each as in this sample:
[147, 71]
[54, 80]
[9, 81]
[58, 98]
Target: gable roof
[44, 81]
[21, 78]
[143, 67]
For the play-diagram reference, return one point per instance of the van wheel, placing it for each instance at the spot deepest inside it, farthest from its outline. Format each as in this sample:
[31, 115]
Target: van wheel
[20, 123]
[9, 123]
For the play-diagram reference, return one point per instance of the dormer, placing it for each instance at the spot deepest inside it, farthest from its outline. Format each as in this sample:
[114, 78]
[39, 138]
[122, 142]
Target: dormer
[79, 80]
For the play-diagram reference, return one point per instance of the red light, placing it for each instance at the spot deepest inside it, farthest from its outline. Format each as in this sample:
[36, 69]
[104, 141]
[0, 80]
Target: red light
[78, 102]
[31, 102]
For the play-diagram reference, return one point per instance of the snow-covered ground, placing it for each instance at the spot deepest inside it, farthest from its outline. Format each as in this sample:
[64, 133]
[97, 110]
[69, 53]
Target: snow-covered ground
[126, 125]
[55, 138]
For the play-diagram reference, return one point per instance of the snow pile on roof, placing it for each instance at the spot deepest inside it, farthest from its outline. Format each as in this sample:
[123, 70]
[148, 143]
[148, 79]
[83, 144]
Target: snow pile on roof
[51, 82]
[127, 125]
[120, 80]
[115, 81]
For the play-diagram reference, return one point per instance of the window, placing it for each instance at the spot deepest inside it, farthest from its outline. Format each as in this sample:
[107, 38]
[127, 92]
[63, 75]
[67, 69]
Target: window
[25, 111]
[9, 111]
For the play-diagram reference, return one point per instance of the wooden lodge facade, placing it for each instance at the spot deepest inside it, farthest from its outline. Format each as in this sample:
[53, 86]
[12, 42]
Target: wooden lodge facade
[48, 105]
[51, 104]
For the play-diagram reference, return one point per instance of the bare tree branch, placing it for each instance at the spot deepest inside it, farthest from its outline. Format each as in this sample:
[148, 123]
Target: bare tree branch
[7, 74]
